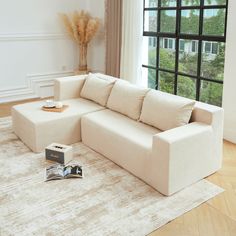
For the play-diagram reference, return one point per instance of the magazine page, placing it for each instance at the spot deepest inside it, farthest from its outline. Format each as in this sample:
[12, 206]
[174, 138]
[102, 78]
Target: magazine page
[55, 172]
[73, 171]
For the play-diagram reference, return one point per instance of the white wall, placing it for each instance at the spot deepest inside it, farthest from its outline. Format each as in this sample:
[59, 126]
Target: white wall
[34, 48]
[229, 95]
[97, 50]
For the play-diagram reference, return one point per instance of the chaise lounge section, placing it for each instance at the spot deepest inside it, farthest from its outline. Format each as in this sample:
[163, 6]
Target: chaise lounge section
[37, 129]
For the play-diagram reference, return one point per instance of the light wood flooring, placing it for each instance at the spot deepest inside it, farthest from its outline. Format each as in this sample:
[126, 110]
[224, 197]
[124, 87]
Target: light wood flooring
[5, 108]
[216, 217]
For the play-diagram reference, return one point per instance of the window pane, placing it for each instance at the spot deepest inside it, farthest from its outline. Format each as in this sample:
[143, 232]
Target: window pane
[167, 54]
[149, 77]
[151, 3]
[214, 22]
[186, 87]
[188, 60]
[213, 60]
[207, 47]
[171, 43]
[214, 48]
[215, 2]
[149, 51]
[211, 93]
[189, 21]
[181, 45]
[194, 46]
[165, 43]
[168, 3]
[168, 21]
[190, 2]
[166, 82]
[150, 21]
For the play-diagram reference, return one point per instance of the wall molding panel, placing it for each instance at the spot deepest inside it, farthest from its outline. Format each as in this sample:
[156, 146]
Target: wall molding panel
[32, 37]
[53, 50]
[35, 47]
[37, 84]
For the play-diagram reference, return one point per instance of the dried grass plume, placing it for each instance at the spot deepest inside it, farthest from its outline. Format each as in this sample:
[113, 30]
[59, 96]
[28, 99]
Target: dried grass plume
[80, 26]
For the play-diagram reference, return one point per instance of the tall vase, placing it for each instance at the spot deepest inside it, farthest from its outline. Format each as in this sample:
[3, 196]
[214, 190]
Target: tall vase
[83, 47]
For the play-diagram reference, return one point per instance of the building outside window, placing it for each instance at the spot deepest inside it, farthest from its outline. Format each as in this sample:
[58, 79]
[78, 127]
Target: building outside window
[214, 48]
[194, 46]
[152, 42]
[207, 48]
[167, 44]
[187, 57]
[182, 45]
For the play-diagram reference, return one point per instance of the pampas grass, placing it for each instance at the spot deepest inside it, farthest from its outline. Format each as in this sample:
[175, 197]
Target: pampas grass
[80, 26]
[91, 29]
[68, 25]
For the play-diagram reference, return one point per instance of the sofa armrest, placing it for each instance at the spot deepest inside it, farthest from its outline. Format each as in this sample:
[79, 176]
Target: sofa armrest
[68, 87]
[182, 156]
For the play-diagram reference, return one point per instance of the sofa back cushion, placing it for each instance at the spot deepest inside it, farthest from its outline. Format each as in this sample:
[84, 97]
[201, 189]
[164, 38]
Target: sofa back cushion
[127, 99]
[106, 77]
[97, 89]
[166, 111]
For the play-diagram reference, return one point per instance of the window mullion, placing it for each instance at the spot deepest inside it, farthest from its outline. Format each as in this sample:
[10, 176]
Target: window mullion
[177, 33]
[198, 84]
[226, 17]
[158, 44]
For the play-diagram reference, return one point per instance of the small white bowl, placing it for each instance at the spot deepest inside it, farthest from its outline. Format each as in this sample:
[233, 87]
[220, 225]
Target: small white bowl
[59, 104]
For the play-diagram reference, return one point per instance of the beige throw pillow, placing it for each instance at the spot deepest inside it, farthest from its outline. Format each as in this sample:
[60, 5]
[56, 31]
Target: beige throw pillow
[106, 77]
[96, 89]
[127, 99]
[166, 111]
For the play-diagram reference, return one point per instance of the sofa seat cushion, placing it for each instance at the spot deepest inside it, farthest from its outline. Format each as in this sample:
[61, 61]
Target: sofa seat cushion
[37, 128]
[125, 127]
[121, 139]
[166, 111]
[97, 89]
[127, 99]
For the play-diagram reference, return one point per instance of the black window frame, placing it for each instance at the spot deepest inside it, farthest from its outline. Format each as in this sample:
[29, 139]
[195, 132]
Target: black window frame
[177, 36]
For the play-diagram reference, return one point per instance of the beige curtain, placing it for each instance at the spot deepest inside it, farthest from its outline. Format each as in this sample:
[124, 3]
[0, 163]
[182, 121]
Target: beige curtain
[113, 36]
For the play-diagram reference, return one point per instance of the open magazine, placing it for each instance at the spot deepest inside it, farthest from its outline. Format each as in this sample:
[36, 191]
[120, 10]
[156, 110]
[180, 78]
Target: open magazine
[59, 171]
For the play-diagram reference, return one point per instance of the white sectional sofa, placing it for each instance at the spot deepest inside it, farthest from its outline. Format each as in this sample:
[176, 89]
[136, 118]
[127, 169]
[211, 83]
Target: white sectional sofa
[167, 141]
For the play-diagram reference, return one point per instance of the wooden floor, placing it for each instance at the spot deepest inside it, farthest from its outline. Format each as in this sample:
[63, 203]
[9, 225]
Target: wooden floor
[216, 217]
[5, 108]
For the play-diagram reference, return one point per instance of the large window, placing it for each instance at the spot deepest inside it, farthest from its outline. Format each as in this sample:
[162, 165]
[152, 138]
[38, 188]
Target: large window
[184, 47]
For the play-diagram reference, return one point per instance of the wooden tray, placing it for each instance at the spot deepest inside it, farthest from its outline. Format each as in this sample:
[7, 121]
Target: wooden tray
[55, 109]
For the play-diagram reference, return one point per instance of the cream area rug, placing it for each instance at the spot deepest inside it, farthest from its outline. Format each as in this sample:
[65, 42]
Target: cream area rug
[107, 201]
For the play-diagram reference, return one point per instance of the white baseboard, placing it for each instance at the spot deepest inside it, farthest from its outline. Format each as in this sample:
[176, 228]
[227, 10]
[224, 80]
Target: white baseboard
[39, 86]
[229, 135]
